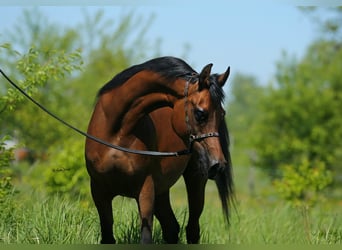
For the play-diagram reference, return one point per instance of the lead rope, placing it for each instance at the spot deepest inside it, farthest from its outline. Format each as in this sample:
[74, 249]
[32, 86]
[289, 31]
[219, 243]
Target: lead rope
[127, 150]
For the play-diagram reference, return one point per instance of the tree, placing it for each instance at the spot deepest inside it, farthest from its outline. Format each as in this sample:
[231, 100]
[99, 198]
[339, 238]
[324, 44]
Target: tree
[243, 113]
[39, 56]
[301, 125]
[113, 48]
[36, 74]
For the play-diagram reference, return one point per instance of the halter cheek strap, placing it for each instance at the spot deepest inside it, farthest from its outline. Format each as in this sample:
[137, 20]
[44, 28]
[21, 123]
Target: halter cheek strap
[193, 137]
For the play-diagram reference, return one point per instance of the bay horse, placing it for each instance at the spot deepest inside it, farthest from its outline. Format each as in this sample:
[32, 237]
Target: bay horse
[160, 105]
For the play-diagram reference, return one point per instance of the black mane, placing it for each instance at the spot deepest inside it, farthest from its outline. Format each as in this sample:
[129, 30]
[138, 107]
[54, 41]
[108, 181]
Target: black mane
[168, 67]
[216, 91]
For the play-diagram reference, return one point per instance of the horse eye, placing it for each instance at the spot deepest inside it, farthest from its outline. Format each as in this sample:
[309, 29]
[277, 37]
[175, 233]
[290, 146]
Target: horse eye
[201, 116]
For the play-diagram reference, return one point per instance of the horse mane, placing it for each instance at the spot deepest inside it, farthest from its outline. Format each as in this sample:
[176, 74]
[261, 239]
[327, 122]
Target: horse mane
[168, 67]
[216, 91]
[224, 179]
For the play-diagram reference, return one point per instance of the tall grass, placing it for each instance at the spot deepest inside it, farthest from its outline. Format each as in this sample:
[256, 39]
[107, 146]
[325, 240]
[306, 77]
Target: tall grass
[48, 220]
[37, 219]
[57, 220]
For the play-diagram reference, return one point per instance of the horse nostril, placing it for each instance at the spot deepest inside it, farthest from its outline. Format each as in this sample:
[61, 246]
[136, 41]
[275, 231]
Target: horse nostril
[213, 171]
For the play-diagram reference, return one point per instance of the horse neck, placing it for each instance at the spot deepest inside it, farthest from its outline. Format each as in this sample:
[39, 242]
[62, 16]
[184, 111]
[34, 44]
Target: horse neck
[139, 95]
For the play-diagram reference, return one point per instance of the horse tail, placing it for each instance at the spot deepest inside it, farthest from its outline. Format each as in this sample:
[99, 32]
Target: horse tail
[224, 178]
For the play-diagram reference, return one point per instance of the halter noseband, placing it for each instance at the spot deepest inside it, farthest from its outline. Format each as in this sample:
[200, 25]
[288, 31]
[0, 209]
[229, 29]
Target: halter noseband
[193, 137]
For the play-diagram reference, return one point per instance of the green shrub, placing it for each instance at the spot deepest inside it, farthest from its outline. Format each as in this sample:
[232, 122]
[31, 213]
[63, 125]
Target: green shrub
[302, 183]
[6, 156]
[66, 172]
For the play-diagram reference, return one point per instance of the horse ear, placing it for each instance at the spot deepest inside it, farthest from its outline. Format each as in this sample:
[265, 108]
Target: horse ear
[203, 80]
[223, 77]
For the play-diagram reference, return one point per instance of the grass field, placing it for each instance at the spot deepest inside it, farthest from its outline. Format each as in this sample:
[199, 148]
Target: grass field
[257, 218]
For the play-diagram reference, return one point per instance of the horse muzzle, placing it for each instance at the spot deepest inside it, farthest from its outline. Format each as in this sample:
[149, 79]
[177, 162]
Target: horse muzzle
[215, 168]
[209, 148]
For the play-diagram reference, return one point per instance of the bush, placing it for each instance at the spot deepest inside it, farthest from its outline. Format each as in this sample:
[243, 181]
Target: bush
[301, 184]
[6, 156]
[66, 172]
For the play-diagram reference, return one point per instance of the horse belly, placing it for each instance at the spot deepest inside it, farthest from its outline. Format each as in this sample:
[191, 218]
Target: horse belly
[118, 173]
[119, 182]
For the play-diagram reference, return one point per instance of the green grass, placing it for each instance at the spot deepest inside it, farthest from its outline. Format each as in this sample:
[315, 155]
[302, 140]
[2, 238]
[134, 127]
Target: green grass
[30, 217]
[49, 220]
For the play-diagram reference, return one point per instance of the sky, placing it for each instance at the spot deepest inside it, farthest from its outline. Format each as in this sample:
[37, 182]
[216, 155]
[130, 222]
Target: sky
[250, 38]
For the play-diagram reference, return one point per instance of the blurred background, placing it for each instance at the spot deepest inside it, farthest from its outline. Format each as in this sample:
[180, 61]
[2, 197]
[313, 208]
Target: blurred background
[283, 103]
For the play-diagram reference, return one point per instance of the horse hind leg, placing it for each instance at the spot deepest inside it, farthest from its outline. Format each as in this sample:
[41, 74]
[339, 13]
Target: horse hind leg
[166, 217]
[103, 204]
[146, 205]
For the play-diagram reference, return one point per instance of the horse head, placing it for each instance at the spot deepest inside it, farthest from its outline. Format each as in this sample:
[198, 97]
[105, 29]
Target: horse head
[198, 116]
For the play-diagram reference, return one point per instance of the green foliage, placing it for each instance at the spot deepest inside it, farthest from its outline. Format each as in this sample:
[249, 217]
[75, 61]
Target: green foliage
[7, 190]
[243, 113]
[302, 115]
[299, 134]
[66, 173]
[38, 67]
[6, 156]
[301, 184]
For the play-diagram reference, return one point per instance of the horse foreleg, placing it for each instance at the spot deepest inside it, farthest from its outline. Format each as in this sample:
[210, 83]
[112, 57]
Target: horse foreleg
[166, 217]
[103, 204]
[146, 205]
[195, 186]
